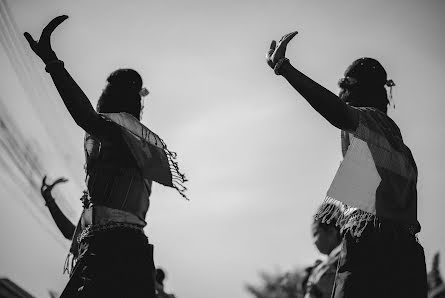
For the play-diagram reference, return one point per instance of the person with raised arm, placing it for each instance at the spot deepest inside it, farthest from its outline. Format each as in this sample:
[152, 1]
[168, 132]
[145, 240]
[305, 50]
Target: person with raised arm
[66, 227]
[123, 158]
[375, 185]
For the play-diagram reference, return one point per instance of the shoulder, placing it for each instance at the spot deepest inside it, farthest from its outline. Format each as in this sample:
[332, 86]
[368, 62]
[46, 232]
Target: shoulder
[372, 121]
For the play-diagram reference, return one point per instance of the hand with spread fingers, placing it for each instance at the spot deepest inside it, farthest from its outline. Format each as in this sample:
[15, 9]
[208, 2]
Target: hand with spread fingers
[276, 52]
[45, 189]
[42, 47]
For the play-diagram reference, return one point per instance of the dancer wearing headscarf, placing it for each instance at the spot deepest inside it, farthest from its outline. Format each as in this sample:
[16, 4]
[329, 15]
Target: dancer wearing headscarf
[123, 157]
[375, 184]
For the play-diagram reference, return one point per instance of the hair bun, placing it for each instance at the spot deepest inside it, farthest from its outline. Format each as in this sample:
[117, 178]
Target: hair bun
[125, 78]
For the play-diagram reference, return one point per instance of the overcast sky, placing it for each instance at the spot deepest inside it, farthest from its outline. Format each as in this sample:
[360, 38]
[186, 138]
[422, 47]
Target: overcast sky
[258, 158]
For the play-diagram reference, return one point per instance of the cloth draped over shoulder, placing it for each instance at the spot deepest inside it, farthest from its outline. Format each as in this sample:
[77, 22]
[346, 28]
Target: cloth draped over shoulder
[154, 162]
[154, 159]
[376, 179]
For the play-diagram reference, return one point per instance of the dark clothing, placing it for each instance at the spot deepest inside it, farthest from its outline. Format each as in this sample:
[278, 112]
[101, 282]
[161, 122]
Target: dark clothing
[114, 264]
[320, 282]
[113, 177]
[123, 157]
[385, 262]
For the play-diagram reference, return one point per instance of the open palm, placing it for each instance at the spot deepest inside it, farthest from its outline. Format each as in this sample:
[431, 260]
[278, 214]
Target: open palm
[45, 189]
[42, 47]
[276, 52]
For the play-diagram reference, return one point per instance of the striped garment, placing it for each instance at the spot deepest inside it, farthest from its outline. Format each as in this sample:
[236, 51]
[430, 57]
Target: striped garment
[376, 179]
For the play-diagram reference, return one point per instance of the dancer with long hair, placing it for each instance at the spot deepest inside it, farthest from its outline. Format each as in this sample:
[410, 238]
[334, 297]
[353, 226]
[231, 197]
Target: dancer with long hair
[123, 158]
[375, 184]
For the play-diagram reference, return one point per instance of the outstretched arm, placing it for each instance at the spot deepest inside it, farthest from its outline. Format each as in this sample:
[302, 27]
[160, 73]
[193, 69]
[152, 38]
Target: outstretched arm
[75, 100]
[329, 105]
[63, 223]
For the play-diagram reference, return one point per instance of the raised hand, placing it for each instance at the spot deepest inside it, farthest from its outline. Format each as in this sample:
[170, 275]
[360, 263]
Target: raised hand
[276, 52]
[45, 189]
[42, 47]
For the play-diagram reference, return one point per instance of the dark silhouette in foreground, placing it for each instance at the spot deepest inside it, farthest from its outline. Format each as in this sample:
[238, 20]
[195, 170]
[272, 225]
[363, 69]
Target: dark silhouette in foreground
[122, 159]
[376, 184]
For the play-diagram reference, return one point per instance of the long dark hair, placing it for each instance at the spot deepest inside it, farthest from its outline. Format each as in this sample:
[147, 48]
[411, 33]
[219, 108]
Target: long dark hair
[121, 94]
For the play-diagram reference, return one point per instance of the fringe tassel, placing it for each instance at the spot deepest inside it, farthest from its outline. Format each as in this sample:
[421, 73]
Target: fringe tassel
[70, 262]
[349, 219]
[178, 178]
[146, 136]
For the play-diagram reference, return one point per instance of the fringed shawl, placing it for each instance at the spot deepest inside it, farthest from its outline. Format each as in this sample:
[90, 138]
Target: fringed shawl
[153, 159]
[152, 156]
[376, 179]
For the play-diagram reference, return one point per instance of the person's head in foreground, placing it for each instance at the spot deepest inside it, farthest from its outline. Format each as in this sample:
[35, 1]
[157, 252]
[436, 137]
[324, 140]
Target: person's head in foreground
[364, 84]
[326, 235]
[123, 93]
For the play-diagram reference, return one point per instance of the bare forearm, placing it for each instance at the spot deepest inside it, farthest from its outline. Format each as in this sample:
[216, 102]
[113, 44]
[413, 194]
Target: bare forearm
[63, 223]
[329, 105]
[77, 103]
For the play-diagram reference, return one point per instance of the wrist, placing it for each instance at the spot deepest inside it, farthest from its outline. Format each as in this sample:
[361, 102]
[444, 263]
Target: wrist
[48, 57]
[50, 65]
[281, 65]
[49, 201]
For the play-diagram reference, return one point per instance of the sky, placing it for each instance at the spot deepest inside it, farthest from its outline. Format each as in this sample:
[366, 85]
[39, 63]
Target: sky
[258, 158]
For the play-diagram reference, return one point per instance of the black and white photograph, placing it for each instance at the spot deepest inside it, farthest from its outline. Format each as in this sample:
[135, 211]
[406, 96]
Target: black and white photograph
[215, 149]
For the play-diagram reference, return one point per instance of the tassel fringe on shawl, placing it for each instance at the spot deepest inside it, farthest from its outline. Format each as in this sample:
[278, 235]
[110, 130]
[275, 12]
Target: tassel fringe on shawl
[143, 142]
[154, 159]
[349, 219]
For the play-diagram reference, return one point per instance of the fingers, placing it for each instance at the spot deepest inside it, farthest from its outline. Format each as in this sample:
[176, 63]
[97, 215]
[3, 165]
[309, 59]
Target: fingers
[278, 51]
[53, 25]
[45, 188]
[30, 40]
[43, 184]
[288, 37]
[60, 180]
[271, 49]
[273, 45]
[269, 53]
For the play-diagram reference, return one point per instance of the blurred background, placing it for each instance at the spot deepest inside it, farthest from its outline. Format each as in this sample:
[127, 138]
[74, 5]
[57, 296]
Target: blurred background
[258, 158]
